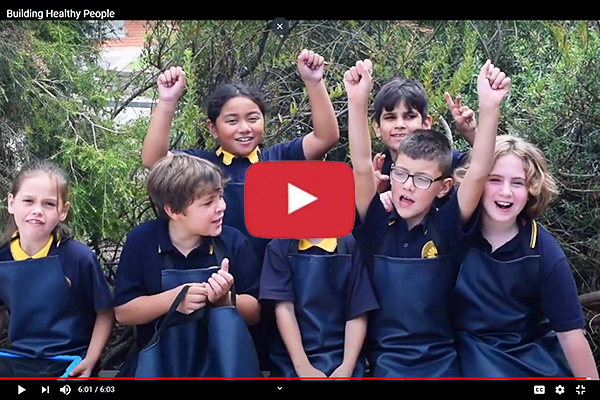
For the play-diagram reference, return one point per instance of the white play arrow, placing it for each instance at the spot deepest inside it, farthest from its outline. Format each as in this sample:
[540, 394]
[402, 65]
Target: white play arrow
[20, 389]
[298, 198]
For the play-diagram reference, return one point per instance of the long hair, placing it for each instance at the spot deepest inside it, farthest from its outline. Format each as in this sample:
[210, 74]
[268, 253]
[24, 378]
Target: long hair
[540, 184]
[62, 192]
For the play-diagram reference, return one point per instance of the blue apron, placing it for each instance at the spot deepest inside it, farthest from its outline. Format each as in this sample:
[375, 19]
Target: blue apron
[211, 342]
[44, 316]
[502, 331]
[319, 283]
[411, 334]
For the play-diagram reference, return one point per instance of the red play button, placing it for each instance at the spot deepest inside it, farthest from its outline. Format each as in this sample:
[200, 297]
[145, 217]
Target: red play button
[299, 199]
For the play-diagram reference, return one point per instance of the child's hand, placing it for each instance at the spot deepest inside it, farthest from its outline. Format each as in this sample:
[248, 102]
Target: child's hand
[492, 85]
[171, 84]
[219, 284]
[382, 179]
[386, 199]
[83, 369]
[194, 299]
[342, 371]
[464, 117]
[358, 82]
[308, 371]
[310, 66]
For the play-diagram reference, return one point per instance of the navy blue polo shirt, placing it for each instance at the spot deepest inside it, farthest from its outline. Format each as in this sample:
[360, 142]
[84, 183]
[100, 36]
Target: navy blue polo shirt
[558, 292]
[276, 278]
[143, 260]
[88, 283]
[236, 170]
[371, 233]
[458, 159]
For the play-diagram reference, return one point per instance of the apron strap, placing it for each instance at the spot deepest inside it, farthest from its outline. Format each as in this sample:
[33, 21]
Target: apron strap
[172, 310]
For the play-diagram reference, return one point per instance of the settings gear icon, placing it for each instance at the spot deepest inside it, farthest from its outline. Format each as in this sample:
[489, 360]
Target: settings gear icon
[560, 389]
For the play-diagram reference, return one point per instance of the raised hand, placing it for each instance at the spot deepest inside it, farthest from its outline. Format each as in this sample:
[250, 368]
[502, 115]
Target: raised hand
[171, 84]
[382, 179]
[492, 85]
[464, 117]
[219, 284]
[310, 66]
[358, 81]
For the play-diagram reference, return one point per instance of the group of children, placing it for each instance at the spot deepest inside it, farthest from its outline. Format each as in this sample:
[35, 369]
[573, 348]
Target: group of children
[446, 273]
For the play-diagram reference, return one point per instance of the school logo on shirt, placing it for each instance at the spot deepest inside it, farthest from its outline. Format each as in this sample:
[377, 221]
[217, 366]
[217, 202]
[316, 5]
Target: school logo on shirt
[429, 250]
[299, 199]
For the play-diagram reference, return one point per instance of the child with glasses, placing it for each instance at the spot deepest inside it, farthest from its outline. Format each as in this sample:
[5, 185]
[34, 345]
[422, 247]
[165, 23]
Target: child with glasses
[413, 253]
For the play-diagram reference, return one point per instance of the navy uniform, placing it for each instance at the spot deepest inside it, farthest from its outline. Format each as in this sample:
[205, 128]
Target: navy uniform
[235, 169]
[413, 274]
[53, 297]
[150, 264]
[327, 290]
[509, 304]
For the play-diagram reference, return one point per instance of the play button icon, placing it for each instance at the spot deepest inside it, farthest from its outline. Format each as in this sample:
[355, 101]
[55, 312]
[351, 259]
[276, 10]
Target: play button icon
[298, 198]
[20, 389]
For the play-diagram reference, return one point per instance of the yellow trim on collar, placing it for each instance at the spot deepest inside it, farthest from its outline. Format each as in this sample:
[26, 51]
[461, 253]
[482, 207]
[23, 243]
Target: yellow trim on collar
[19, 254]
[533, 234]
[328, 245]
[228, 157]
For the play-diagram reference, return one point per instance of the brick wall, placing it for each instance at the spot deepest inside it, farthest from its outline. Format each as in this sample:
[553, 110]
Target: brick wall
[134, 35]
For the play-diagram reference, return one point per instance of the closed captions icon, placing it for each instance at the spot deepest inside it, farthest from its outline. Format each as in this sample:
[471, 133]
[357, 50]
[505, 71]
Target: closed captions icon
[539, 389]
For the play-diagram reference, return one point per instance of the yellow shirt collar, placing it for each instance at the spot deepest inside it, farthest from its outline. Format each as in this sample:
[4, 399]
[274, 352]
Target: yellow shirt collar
[228, 157]
[328, 245]
[19, 254]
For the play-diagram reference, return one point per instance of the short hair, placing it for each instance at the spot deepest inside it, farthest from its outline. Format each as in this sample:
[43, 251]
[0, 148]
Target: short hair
[410, 91]
[430, 145]
[227, 91]
[180, 179]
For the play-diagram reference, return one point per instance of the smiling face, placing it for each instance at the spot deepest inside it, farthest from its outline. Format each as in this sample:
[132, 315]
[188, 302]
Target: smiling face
[37, 208]
[505, 193]
[393, 126]
[239, 127]
[412, 203]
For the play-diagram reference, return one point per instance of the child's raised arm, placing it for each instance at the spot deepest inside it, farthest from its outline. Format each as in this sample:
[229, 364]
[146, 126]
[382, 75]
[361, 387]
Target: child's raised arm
[171, 84]
[464, 118]
[326, 132]
[357, 81]
[492, 86]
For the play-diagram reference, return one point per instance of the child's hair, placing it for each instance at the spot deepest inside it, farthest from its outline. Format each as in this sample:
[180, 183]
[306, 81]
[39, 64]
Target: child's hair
[227, 91]
[540, 184]
[180, 179]
[408, 90]
[62, 194]
[430, 145]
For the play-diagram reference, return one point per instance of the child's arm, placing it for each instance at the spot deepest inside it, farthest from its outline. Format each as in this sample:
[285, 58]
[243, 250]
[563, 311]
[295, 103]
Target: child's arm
[578, 353]
[326, 132]
[219, 286]
[100, 335]
[285, 317]
[464, 118]
[492, 86]
[357, 81]
[356, 331]
[171, 84]
[144, 309]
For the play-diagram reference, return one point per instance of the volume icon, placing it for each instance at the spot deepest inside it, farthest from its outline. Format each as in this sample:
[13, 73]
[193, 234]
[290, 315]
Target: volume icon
[65, 389]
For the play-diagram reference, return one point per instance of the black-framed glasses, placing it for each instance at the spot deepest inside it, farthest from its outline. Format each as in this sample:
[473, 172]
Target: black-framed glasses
[420, 181]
